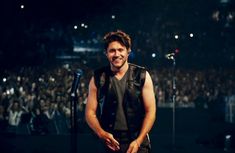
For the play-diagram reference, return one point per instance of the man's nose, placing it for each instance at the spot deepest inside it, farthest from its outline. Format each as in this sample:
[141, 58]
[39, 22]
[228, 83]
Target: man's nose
[116, 53]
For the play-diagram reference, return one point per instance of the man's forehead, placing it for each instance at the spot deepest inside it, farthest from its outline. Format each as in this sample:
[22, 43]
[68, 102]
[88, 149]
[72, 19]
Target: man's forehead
[116, 44]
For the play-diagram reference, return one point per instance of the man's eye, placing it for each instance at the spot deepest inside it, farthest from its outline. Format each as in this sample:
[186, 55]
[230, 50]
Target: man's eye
[112, 50]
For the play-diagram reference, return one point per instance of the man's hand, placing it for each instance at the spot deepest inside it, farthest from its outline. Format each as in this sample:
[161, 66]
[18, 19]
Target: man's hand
[109, 140]
[133, 147]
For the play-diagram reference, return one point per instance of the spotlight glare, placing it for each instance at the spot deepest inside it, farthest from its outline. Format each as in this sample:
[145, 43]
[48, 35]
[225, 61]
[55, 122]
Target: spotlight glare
[113, 16]
[153, 55]
[22, 6]
[75, 27]
[4, 79]
[176, 36]
[191, 35]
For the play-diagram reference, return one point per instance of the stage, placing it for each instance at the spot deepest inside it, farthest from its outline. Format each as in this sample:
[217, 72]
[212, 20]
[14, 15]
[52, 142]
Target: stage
[195, 132]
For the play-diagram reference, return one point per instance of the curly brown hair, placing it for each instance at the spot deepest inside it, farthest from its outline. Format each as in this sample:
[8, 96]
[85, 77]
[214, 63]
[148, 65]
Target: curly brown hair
[119, 36]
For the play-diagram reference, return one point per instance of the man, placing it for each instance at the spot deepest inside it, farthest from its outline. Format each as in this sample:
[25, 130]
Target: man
[121, 106]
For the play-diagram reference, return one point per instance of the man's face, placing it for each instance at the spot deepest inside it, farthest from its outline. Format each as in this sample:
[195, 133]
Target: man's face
[117, 54]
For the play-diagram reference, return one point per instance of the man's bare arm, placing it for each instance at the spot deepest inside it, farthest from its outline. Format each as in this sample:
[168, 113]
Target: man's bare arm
[92, 120]
[150, 108]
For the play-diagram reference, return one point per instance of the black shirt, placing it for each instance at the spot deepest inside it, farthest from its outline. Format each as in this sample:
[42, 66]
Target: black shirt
[119, 87]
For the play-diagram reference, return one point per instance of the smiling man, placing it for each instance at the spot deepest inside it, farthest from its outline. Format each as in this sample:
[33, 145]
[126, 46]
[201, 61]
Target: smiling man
[121, 107]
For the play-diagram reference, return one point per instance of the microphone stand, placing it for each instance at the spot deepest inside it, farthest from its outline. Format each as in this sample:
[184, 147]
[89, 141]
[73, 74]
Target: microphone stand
[173, 101]
[73, 108]
[172, 57]
[73, 119]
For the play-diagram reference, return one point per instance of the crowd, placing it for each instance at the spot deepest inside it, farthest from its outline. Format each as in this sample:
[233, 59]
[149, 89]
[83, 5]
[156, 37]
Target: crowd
[35, 100]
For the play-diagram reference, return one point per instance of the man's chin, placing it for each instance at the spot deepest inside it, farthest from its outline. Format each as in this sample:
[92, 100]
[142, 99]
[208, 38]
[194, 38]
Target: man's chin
[117, 66]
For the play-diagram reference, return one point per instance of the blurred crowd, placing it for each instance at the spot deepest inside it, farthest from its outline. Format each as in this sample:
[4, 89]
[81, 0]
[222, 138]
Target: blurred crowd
[36, 100]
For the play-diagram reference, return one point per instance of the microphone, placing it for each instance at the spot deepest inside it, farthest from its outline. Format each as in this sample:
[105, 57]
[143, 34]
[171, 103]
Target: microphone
[170, 56]
[77, 76]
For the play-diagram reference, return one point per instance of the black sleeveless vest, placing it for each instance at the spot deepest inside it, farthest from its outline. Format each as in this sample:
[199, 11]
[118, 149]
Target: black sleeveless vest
[132, 101]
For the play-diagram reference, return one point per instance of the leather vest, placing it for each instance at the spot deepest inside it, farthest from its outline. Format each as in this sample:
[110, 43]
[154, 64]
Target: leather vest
[132, 101]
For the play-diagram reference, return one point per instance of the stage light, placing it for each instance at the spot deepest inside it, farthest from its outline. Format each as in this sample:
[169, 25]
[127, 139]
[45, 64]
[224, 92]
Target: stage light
[113, 16]
[176, 36]
[22, 6]
[153, 55]
[4, 79]
[191, 35]
[75, 27]
[83, 25]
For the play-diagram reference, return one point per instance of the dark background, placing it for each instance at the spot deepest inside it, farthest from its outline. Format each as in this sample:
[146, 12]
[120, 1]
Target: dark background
[44, 29]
